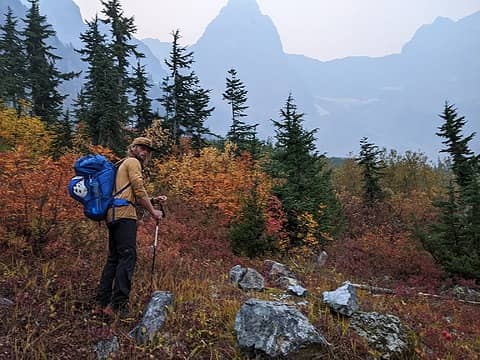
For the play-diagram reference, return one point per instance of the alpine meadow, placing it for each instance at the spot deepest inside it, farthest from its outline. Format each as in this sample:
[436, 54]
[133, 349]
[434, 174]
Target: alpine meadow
[311, 209]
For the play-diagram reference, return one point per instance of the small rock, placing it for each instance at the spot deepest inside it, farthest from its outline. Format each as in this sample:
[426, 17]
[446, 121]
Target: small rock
[284, 282]
[105, 348]
[153, 317]
[236, 274]
[465, 293]
[321, 259]
[384, 333]
[276, 270]
[297, 290]
[252, 280]
[6, 302]
[343, 300]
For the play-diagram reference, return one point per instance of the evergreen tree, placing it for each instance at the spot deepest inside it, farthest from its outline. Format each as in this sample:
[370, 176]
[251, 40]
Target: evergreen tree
[43, 78]
[236, 96]
[13, 64]
[142, 108]
[97, 104]
[63, 136]
[457, 145]
[199, 112]
[247, 233]
[177, 87]
[306, 186]
[121, 30]
[455, 239]
[372, 167]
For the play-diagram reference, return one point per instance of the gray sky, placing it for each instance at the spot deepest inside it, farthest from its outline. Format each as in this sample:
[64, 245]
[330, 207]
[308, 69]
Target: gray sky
[322, 29]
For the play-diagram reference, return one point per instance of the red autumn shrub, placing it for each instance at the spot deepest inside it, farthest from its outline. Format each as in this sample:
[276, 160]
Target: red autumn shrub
[34, 199]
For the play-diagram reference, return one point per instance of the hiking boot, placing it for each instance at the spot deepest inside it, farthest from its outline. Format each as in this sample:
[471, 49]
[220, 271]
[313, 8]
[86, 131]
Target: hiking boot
[124, 314]
[108, 311]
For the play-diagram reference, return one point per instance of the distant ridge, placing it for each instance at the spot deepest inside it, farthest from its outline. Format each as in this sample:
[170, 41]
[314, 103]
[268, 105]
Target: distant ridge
[394, 100]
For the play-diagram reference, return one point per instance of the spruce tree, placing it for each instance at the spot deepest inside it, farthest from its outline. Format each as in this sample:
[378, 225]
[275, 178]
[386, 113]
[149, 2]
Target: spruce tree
[455, 239]
[122, 29]
[372, 167]
[97, 104]
[235, 94]
[199, 112]
[177, 87]
[142, 107]
[63, 136]
[13, 63]
[43, 78]
[456, 144]
[247, 232]
[305, 186]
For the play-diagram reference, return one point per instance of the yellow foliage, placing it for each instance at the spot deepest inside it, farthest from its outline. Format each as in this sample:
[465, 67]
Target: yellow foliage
[214, 178]
[29, 132]
[348, 177]
[161, 138]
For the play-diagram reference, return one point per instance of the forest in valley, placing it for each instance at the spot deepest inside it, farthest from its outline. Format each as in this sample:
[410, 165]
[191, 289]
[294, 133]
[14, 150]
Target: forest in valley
[386, 220]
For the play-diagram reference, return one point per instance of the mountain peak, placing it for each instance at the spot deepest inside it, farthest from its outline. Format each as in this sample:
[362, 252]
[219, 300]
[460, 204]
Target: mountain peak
[243, 5]
[242, 31]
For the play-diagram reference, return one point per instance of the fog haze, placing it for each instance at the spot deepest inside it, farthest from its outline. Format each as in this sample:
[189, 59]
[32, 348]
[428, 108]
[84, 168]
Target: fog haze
[323, 30]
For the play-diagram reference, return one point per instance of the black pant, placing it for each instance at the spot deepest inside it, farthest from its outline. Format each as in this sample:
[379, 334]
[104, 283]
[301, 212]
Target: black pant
[118, 269]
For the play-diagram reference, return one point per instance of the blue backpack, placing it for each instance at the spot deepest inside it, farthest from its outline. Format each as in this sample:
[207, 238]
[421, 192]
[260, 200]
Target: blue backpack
[94, 186]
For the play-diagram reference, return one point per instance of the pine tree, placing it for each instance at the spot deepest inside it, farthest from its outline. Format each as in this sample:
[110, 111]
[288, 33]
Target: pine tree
[306, 186]
[142, 107]
[235, 94]
[177, 88]
[43, 78]
[372, 168]
[13, 64]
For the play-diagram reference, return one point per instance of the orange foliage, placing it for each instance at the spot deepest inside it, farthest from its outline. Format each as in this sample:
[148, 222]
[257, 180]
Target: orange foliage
[214, 178]
[415, 208]
[33, 195]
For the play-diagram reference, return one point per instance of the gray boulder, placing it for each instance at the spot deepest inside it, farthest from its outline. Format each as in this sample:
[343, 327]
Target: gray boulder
[247, 278]
[274, 329]
[252, 280]
[343, 300]
[276, 270]
[236, 274]
[285, 282]
[465, 293]
[153, 317]
[105, 348]
[384, 333]
[297, 290]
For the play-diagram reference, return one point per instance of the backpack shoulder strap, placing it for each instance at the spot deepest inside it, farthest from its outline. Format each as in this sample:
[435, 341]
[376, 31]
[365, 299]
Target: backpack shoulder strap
[117, 165]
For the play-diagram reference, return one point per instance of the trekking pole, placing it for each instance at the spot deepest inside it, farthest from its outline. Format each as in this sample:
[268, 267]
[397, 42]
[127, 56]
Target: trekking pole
[154, 253]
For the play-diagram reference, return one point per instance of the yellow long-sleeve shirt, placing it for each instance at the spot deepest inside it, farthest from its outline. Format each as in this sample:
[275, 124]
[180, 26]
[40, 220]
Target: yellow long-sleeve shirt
[130, 171]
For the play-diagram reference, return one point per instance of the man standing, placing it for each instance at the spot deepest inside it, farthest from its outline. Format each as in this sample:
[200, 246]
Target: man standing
[122, 231]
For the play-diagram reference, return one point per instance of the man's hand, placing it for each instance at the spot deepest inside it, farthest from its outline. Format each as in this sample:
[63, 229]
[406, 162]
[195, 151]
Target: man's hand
[157, 215]
[147, 204]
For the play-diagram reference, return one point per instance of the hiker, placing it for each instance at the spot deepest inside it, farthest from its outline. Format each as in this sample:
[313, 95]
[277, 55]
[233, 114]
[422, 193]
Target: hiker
[122, 231]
